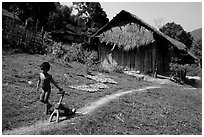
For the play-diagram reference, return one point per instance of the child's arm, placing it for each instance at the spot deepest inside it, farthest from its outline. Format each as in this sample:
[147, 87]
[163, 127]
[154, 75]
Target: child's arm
[52, 80]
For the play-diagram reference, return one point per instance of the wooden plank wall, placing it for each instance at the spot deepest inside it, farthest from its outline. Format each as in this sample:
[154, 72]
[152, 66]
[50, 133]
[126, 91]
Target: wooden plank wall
[143, 60]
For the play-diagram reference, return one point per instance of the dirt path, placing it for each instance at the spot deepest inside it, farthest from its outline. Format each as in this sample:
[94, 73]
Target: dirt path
[108, 98]
[46, 126]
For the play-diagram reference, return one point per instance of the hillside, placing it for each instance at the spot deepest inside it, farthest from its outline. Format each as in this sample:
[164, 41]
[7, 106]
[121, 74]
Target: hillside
[196, 48]
[197, 34]
[128, 107]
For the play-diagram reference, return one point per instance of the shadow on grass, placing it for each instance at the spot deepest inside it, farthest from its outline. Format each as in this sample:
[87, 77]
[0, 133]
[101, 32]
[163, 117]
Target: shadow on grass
[194, 83]
[64, 116]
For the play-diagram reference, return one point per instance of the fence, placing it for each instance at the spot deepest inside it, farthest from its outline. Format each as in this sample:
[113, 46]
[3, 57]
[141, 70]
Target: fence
[17, 35]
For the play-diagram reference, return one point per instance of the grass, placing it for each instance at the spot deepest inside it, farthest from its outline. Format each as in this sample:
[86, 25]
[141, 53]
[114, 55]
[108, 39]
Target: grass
[168, 110]
[146, 113]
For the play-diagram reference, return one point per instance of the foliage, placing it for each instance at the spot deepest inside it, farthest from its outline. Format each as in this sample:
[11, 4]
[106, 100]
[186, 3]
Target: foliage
[20, 39]
[194, 70]
[177, 67]
[48, 42]
[91, 60]
[60, 18]
[74, 52]
[181, 71]
[68, 52]
[176, 31]
[51, 16]
[92, 15]
[31, 12]
[57, 49]
[197, 50]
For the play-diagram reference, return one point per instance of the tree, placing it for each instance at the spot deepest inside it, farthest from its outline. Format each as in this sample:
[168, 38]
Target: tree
[37, 12]
[176, 31]
[13, 7]
[60, 18]
[197, 50]
[92, 15]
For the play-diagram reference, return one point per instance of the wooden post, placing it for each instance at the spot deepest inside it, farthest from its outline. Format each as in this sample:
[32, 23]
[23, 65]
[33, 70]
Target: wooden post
[155, 70]
[155, 63]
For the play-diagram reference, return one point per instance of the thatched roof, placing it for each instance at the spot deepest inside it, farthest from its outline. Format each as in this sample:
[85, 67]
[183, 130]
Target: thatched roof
[127, 37]
[118, 32]
[124, 18]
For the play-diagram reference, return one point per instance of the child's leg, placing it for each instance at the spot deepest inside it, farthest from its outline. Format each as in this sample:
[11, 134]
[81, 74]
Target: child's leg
[46, 99]
[42, 96]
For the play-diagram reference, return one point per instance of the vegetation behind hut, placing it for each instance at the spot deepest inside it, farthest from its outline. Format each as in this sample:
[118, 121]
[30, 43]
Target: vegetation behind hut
[16, 35]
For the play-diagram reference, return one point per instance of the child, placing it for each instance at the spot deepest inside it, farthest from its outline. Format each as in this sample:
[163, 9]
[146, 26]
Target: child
[44, 83]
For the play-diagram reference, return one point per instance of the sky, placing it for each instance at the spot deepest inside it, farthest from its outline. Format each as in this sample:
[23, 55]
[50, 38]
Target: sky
[187, 14]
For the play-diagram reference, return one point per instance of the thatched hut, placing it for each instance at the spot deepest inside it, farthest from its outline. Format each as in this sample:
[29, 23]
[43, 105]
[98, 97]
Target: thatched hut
[67, 36]
[128, 42]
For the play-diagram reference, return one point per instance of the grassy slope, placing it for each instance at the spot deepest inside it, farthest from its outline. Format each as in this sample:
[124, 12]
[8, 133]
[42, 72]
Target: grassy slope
[169, 110]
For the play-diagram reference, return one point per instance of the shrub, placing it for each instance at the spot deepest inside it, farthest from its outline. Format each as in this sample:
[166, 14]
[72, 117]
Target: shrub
[75, 52]
[181, 71]
[194, 70]
[91, 60]
[17, 37]
[58, 49]
[48, 43]
[178, 71]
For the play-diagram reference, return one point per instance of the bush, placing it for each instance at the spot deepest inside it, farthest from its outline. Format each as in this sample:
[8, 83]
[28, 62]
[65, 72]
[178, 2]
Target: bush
[67, 51]
[58, 49]
[194, 70]
[178, 72]
[74, 52]
[181, 71]
[17, 37]
[91, 60]
[118, 69]
[48, 43]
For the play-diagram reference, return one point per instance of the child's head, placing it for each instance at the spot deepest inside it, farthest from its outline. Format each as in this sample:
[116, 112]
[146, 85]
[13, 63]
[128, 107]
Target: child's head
[45, 66]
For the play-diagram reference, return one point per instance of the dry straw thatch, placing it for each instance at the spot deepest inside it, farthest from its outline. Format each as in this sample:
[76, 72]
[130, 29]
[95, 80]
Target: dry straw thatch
[128, 37]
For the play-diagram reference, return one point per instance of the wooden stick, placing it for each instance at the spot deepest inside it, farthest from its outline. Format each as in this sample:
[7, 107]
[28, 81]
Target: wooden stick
[77, 130]
[119, 118]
